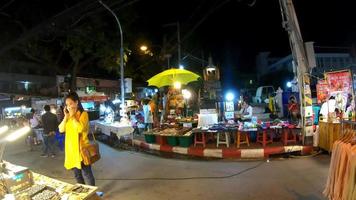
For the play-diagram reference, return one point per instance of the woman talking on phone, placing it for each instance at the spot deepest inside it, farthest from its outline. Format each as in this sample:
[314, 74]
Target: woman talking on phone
[75, 124]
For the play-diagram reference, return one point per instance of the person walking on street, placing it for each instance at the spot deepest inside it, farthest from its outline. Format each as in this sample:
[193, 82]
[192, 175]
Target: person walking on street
[148, 116]
[75, 125]
[35, 124]
[50, 125]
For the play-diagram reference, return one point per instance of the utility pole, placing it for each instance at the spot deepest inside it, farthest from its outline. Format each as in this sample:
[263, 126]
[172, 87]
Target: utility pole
[178, 40]
[291, 25]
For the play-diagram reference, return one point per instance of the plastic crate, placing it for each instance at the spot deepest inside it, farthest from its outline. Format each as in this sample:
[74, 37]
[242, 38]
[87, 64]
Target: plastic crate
[185, 141]
[149, 138]
[161, 140]
[172, 140]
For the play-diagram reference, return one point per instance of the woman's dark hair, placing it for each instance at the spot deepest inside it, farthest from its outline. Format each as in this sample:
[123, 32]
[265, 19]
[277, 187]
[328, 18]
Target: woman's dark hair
[74, 96]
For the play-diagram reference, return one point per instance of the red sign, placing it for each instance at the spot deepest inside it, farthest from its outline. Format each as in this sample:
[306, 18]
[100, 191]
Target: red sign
[339, 81]
[93, 98]
[322, 90]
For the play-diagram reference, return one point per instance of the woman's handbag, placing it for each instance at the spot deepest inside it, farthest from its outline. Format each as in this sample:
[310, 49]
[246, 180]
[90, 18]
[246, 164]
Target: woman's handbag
[90, 152]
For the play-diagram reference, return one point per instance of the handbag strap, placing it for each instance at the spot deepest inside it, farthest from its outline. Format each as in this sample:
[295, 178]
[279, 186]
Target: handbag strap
[93, 136]
[90, 131]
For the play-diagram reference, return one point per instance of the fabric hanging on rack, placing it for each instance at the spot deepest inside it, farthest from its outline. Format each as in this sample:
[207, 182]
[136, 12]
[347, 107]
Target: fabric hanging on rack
[341, 180]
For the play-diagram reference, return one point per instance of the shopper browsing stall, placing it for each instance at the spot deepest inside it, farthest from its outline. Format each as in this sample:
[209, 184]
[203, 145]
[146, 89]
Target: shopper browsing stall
[76, 127]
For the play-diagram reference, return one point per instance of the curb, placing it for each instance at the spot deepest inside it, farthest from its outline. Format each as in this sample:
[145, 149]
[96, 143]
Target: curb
[225, 152]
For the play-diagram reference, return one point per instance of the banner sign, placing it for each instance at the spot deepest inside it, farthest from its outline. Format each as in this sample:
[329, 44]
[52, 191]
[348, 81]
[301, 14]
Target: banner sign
[339, 81]
[322, 91]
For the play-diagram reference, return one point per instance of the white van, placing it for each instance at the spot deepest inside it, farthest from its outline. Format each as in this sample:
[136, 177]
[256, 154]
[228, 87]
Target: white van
[262, 94]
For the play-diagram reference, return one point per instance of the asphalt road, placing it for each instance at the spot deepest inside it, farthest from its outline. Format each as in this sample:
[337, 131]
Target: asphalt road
[134, 175]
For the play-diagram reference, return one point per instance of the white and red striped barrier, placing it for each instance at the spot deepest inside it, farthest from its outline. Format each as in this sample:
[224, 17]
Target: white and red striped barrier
[225, 152]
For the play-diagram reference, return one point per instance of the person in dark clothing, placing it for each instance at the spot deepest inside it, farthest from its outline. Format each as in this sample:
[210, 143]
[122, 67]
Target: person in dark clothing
[50, 125]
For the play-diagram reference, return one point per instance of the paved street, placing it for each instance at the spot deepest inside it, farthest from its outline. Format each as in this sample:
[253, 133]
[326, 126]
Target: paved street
[134, 175]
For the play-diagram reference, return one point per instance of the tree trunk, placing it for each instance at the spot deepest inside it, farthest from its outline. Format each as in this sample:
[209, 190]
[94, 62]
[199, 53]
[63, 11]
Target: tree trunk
[73, 75]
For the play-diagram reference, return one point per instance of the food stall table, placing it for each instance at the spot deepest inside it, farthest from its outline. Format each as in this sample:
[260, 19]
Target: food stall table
[66, 189]
[116, 128]
[22, 183]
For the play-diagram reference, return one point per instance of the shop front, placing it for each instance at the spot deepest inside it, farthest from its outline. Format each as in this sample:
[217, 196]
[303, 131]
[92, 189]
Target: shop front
[335, 94]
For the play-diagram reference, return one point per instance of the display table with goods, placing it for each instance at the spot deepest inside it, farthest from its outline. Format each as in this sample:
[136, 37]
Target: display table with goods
[188, 121]
[181, 136]
[259, 132]
[120, 129]
[20, 183]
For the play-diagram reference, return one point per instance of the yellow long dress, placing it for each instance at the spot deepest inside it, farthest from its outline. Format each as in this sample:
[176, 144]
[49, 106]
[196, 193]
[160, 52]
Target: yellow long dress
[76, 132]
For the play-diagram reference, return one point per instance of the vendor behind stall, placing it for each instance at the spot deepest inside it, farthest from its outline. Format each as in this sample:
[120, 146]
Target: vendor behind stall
[293, 110]
[328, 107]
[245, 114]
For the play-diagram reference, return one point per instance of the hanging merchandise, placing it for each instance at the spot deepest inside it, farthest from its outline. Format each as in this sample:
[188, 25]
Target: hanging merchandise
[341, 182]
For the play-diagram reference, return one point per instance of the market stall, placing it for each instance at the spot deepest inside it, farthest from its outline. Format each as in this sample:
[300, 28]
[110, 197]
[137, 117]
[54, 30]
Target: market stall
[338, 105]
[21, 183]
[117, 128]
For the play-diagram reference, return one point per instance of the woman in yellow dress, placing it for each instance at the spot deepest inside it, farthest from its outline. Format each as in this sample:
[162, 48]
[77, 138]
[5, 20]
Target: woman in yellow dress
[75, 125]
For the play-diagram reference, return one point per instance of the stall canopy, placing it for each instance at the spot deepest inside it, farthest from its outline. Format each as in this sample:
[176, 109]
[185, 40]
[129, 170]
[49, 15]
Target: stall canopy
[171, 76]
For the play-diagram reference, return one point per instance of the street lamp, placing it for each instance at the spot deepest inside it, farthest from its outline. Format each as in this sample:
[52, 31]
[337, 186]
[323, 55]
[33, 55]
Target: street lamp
[143, 48]
[121, 57]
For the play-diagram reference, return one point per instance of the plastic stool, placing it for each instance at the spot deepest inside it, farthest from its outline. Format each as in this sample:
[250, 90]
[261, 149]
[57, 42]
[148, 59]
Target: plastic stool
[262, 137]
[239, 138]
[223, 141]
[286, 136]
[202, 140]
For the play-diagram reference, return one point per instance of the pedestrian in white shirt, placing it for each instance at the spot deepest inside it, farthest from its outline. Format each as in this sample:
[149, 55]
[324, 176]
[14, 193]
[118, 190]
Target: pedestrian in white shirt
[328, 107]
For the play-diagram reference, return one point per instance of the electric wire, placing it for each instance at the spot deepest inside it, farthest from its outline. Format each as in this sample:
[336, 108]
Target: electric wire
[175, 179]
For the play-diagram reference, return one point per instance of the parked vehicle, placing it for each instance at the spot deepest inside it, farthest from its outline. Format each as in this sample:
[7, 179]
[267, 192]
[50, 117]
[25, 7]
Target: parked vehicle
[263, 93]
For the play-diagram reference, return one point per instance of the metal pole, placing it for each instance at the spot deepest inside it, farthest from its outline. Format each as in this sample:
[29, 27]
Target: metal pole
[121, 55]
[179, 48]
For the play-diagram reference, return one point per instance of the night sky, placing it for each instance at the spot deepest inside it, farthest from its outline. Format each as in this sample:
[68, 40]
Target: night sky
[237, 31]
[232, 31]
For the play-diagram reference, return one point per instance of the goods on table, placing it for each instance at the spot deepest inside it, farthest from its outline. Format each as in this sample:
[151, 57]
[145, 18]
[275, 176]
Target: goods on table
[45, 195]
[169, 131]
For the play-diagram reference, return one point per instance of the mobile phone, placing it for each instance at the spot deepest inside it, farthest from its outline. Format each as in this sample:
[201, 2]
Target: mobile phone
[66, 109]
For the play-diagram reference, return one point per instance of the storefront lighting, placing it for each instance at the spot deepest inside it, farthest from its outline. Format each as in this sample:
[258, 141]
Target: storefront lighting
[23, 107]
[289, 84]
[177, 85]
[181, 66]
[229, 96]
[186, 94]
[17, 134]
